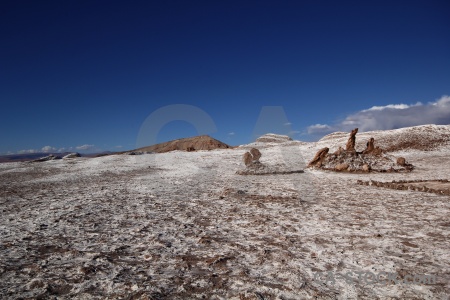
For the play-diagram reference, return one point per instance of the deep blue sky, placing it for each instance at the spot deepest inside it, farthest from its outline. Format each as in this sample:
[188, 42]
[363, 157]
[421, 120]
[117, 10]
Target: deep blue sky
[76, 73]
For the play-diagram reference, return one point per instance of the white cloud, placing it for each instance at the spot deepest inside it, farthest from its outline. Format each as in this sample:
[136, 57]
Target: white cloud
[287, 124]
[318, 129]
[85, 147]
[47, 149]
[119, 146]
[231, 133]
[391, 116]
[29, 151]
[390, 106]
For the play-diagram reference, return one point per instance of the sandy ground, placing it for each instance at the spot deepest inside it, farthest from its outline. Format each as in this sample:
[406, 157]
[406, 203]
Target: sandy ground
[186, 226]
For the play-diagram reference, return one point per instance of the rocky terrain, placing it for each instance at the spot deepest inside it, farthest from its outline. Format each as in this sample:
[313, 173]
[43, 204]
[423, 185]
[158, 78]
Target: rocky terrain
[185, 225]
[371, 159]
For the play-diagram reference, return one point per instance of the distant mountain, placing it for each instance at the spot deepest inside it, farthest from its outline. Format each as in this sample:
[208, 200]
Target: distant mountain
[33, 156]
[203, 142]
[27, 156]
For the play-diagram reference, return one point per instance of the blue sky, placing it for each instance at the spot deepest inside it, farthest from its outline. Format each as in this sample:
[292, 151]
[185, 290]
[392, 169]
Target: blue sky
[86, 75]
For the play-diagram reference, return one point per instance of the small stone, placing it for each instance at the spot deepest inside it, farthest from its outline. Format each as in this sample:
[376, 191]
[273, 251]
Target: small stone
[255, 153]
[401, 161]
[341, 167]
[247, 159]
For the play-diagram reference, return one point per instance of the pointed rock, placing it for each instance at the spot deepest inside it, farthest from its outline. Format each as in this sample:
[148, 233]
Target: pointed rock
[351, 141]
[319, 157]
[370, 147]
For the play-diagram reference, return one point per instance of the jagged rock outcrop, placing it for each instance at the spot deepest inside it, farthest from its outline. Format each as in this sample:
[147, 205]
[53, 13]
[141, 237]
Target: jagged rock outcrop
[72, 155]
[252, 157]
[350, 147]
[319, 157]
[370, 147]
[350, 160]
[420, 138]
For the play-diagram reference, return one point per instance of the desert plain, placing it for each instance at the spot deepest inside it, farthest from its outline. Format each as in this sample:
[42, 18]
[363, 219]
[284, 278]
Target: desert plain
[185, 225]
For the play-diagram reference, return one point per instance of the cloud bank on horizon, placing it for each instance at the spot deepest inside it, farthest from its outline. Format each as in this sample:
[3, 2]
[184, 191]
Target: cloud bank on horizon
[390, 116]
[49, 149]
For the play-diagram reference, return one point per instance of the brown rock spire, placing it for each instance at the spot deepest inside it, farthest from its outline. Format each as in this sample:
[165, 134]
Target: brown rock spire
[351, 141]
[319, 157]
[370, 146]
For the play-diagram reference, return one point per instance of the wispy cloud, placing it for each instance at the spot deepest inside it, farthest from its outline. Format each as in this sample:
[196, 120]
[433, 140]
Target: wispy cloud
[287, 124]
[28, 151]
[48, 149]
[319, 128]
[85, 147]
[391, 116]
[45, 149]
[231, 133]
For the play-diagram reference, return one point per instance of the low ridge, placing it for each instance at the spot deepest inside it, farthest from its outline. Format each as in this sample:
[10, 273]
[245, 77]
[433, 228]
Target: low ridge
[202, 142]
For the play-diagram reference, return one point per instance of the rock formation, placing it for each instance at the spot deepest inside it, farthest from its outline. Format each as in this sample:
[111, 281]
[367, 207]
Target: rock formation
[256, 154]
[401, 161]
[319, 157]
[350, 147]
[255, 167]
[377, 151]
[252, 157]
[339, 151]
[248, 159]
[341, 167]
[370, 147]
[350, 160]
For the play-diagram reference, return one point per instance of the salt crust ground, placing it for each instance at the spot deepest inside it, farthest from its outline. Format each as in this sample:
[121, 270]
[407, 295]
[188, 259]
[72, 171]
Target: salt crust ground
[185, 226]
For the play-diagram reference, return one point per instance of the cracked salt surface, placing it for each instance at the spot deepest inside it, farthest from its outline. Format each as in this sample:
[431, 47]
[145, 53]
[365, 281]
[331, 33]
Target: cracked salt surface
[184, 225]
